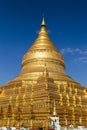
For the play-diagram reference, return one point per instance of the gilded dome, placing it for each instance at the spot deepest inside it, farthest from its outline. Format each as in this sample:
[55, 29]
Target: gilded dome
[42, 52]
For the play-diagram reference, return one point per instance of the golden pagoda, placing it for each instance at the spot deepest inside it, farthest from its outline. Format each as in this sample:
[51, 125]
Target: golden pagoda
[28, 100]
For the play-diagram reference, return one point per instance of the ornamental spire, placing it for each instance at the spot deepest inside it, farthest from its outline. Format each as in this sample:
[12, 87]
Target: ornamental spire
[43, 22]
[54, 108]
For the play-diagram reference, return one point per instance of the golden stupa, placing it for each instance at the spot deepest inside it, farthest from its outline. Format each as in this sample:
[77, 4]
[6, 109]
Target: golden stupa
[28, 100]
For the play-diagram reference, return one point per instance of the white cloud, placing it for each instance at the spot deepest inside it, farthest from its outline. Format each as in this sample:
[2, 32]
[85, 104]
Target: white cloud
[81, 59]
[73, 51]
[78, 55]
[67, 50]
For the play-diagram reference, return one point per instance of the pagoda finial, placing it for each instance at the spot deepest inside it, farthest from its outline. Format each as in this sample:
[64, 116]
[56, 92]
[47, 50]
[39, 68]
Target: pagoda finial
[43, 22]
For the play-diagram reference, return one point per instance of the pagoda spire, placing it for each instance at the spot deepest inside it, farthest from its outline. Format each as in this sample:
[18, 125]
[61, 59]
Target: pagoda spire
[43, 22]
[54, 108]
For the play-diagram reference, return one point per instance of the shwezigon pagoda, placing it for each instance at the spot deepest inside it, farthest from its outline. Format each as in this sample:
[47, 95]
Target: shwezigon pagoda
[28, 99]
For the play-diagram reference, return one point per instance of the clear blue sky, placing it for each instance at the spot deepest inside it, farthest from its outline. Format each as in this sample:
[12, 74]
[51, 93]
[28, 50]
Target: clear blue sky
[66, 21]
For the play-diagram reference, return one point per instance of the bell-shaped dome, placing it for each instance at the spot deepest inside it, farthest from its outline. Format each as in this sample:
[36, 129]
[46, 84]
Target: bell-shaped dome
[43, 52]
